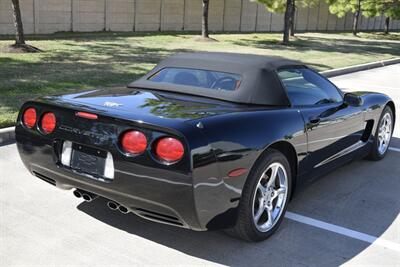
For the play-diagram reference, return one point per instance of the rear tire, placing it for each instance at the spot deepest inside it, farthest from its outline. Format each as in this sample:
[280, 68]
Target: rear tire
[264, 200]
[383, 135]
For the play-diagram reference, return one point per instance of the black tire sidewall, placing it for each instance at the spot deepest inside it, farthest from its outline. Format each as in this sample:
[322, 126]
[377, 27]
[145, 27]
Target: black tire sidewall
[271, 156]
[375, 151]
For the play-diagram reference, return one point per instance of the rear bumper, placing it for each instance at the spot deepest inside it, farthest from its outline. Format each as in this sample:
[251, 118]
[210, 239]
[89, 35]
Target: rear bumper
[159, 195]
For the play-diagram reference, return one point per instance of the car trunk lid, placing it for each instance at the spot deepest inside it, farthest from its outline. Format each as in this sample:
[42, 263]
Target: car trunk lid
[145, 105]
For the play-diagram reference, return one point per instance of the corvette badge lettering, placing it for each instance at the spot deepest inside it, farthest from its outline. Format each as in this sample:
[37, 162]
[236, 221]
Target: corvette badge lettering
[112, 104]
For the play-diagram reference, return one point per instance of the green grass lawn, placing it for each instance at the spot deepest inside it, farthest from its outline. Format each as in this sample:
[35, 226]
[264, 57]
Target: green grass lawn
[73, 61]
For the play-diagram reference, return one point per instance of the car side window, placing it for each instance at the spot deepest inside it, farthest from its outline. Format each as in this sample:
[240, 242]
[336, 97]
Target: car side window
[306, 87]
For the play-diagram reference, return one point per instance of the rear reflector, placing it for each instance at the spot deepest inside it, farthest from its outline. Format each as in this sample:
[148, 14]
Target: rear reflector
[134, 142]
[48, 122]
[29, 117]
[169, 149]
[86, 115]
[237, 172]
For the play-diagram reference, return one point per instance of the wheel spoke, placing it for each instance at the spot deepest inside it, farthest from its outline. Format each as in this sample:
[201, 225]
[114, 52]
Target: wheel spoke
[273, 176]
[382, 146]
[270, 219]
[259, 212]
[261, 188]
[389, 125]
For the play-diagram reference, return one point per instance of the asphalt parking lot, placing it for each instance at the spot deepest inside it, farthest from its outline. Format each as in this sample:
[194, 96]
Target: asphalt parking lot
[350, 217]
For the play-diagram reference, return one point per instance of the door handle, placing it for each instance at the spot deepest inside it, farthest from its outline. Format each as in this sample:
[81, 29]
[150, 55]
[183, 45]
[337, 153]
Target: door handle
[315, 120]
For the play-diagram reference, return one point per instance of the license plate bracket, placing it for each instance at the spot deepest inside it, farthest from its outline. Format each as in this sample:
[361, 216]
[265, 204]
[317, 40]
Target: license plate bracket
[88, 160]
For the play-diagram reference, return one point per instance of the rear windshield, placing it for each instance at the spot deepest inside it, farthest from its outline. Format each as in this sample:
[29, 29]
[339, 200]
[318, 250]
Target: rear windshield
[198, 78]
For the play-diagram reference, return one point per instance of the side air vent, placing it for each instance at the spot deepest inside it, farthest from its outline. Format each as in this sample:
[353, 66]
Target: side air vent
[368, 130]
[45, 178]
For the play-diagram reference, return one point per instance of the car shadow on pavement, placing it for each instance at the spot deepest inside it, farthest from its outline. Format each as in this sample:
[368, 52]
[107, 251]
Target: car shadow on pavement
[361, 196]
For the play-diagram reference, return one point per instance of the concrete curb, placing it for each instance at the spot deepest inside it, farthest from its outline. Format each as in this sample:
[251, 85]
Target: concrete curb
[361, 67]
[7, 135]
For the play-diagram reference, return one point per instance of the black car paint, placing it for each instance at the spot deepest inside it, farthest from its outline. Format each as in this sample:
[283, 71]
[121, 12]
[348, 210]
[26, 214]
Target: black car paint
[196, 192]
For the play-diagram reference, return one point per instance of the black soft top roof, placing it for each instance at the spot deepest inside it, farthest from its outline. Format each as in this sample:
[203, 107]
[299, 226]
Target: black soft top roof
[259, 85]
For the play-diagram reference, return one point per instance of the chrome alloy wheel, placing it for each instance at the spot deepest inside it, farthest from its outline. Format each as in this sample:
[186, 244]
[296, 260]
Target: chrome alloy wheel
[270, 197]
[384, 133]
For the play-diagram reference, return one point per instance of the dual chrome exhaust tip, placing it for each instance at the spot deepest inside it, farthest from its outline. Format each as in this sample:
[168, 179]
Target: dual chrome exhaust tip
[115, 206]
[87, 196]
[112, 205]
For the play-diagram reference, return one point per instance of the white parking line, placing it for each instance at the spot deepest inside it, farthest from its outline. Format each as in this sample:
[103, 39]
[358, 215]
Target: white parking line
[343, 231]
[394, 149]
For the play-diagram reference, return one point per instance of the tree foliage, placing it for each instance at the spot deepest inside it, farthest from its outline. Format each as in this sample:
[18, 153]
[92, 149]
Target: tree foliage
[276, 6]
[341, 7]
[388, 8]
[279, 6]
[369, 8]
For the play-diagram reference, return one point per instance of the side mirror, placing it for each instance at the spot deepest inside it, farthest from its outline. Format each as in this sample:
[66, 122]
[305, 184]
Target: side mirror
[353, 100]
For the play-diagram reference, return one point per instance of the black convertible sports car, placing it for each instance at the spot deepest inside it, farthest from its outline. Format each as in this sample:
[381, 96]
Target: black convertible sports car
[204, 140]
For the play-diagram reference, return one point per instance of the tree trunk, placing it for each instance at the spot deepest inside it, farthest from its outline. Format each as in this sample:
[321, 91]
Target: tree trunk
[356, 17]
[204, 24]
[292, 18]
[19, 34]
[286, 27]
[387, 22]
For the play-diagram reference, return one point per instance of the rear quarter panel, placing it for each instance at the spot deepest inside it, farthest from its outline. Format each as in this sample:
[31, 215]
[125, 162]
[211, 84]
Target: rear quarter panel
[238, 140]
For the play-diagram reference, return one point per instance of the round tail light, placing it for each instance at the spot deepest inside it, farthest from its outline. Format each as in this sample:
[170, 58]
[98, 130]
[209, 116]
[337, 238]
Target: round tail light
[29, 117]
[134, 142]
[48, 122]
[169, 149]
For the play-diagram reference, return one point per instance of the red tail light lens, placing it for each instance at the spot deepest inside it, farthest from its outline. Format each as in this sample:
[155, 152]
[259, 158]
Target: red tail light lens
[134, 142]
[29, 117]
[169, 149]
[48, 122]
